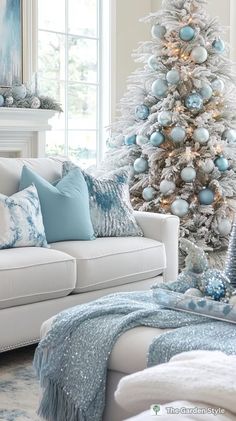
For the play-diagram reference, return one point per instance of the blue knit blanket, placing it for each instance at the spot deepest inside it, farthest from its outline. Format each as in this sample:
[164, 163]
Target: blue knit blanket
[71, 361]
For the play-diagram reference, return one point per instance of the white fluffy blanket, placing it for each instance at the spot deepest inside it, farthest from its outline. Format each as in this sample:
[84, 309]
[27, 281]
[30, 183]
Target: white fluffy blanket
[203, 378]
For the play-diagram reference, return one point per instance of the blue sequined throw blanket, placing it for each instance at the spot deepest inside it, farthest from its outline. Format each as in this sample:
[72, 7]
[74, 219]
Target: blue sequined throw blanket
[71, 361]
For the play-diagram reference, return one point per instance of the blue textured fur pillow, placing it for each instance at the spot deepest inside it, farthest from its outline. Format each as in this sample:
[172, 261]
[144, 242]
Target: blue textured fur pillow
[111, 212]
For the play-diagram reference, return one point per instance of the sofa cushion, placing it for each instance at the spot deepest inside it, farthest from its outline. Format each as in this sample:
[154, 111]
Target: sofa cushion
[33, 274]
[108, 262]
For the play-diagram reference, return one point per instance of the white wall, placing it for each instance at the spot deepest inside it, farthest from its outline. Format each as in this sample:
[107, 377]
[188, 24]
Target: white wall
[128, 31]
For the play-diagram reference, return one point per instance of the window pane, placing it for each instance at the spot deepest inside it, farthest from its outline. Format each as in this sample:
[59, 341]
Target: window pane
[82, 147]
[55, 142]
[51, 63]
[82, 106]
[82, 59]
[83, 17]
[51, 15]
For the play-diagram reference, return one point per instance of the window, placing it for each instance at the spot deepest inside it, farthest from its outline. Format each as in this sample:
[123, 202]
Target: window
[69, 63]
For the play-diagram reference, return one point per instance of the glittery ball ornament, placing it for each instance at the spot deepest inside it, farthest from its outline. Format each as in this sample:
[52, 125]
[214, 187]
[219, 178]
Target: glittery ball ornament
[201, 135]
[165, 118]
[206, 91]
[148, 193]
[142, 112]
[206, 197]
[194, 102]
[180, 208]
[167, 187]
[19, 91]
[158, 31]
[153, 63]
[159, 88]
[222, 163]
[218, 85]
[141, 140]
[188, 174]
[35, 103]
[1, 100]
[130, 140]
[157, 138]
[218, 45]
[9, 101]
[187, 33]
[140, 165]
[230, 135]
[173, 77]
[213, 284]
[224, 227]
[230, 267]
[177, 134]
[199, 55]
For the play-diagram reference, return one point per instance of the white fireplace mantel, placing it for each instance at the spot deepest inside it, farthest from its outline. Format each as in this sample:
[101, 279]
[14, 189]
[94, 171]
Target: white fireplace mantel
[23, 131]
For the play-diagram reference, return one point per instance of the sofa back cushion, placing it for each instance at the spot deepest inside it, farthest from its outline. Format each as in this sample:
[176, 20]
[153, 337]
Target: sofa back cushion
[11, 168]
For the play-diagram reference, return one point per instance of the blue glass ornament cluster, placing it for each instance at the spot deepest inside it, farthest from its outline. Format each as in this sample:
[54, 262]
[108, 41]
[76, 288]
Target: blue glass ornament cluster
[180, 208]
[157, 139]
[142, 112]
[194, 102]
[148, 193]
[130, 140]
[165, 118]
[218, 45]
[177, 134]
[222, 163]
[187, 33]
[140, 165]
[159, 88]
[206, 197]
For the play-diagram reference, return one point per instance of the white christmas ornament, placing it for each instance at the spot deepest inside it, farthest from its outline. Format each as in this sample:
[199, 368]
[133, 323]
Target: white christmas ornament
[167, 187]
[224, 227]
[218, 85]
[230, 135]
[141, 140]
[199, 55]
[153, 63]
[158, 31]
[201, 135]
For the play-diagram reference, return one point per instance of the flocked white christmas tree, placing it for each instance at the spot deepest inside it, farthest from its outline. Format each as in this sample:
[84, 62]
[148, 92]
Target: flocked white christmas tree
[176, 128]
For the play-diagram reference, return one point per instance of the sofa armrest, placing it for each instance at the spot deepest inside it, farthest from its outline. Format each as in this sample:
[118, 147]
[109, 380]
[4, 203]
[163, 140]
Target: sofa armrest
[163, 228]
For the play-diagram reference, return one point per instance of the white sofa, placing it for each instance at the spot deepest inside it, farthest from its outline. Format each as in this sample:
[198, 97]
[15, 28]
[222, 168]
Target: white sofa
[37, 283]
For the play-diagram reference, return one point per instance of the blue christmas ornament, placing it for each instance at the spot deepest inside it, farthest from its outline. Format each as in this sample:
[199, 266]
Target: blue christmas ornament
[158, 31]
[159, 88]
[140, 165]
[187, 33]
[214, 286]
[177, 134]
[222, 163]
[180, 208]
[218, 85]
[206, 92]
[19, 91]
[1, 101]
[148, 194]
[218, 45]
[157, 138]
[201, 135]
[173, 77]
[153, 63]
[188, 174]
[142, 112]
[130, 140]
[230, 135]
[199, 55]
[194, 102]
[206, 197]
[165, 118]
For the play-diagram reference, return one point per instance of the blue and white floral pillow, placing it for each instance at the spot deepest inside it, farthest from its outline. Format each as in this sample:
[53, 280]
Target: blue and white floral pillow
[21, 223]
[111, 212]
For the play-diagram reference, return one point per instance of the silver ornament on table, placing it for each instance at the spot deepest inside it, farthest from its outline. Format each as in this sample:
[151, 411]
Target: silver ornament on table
[230, 267]
[9, 100]
[35, 103]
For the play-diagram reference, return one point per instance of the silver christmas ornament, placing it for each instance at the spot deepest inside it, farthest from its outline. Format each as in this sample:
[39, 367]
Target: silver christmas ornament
[199, 55]
[230, 267]
[194, 102]
[167, 187]
[35, 103]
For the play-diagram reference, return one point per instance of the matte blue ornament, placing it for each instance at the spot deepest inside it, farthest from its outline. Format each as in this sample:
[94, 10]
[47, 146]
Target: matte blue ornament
[142, 112]
[201, 135]
[158, 31]
[177, 134]
[148, 193]
[218, 45]
[130, 140]
[157, 138]
[173, 77]
[180, 208]
[222, 163]
[206, 92]
[165, 118]
[153, 63]
[1, 101]
[159, 88]
[140, 165]
[188, 174]
[194, 102]
[230, 135]
[187, 33]
[206, 196]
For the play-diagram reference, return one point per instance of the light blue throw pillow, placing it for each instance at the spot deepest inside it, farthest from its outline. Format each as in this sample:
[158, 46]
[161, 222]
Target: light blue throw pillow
[65, 206]
[111, 212]
[21, 223]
